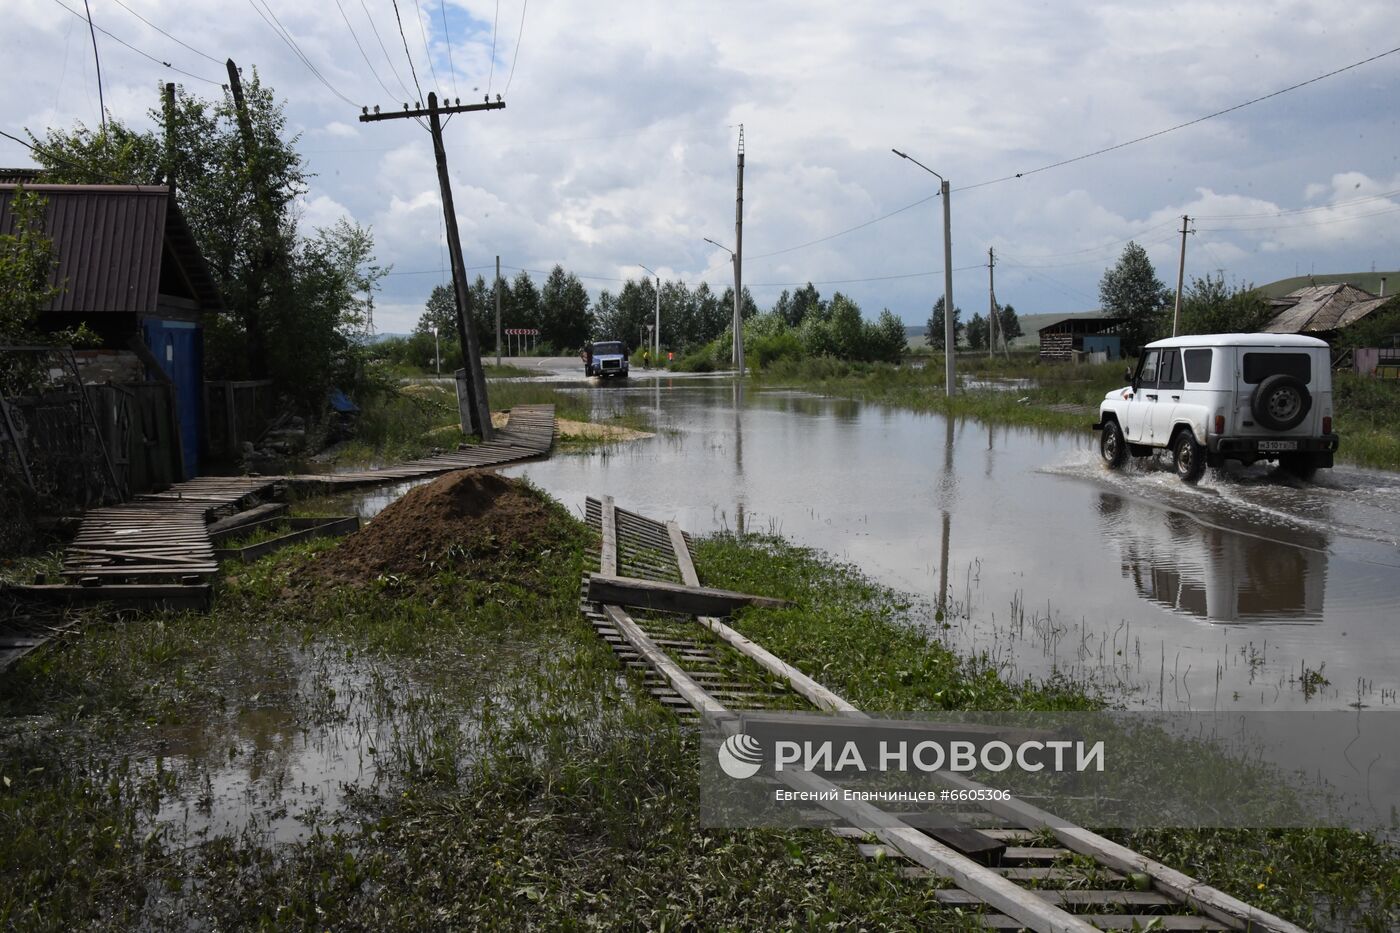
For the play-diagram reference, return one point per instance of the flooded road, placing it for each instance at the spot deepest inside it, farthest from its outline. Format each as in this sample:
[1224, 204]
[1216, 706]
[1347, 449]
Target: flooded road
[1248, 591]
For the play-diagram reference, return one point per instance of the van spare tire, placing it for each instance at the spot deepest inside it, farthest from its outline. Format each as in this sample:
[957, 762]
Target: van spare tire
[1280, 402]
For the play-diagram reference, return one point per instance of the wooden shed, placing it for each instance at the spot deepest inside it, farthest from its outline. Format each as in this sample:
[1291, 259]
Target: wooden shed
[1070, 337]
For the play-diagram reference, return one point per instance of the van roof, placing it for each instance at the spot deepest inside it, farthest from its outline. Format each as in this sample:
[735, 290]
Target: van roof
[1241, 340]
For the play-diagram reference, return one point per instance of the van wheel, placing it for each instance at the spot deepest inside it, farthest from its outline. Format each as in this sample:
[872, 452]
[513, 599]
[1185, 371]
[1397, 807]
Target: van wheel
[1113, 447]
[1189, 457]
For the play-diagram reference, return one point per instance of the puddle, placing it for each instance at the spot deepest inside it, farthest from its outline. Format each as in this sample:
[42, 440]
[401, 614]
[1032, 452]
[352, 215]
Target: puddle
[1234, 593]
[295, 747]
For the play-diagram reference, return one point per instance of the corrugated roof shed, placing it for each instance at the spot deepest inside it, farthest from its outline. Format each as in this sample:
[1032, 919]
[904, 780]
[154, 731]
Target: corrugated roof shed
[1320, 309]
[108, 240]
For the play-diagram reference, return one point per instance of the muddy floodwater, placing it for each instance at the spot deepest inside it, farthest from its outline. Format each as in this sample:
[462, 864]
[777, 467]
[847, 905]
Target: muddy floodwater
[1249, 591]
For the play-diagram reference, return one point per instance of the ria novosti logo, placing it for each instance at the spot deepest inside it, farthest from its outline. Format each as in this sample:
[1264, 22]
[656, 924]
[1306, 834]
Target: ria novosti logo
[740, 756]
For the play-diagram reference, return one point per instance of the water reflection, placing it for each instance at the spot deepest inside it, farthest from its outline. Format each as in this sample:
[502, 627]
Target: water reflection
[1214, 573]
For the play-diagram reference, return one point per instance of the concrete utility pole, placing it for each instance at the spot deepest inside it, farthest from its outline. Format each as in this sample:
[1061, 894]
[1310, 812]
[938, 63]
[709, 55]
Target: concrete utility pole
[479, 410]
[992, 303]
[498, 310]
[739, 262]
[170, 137]
[950, 333]
[1180, 274]
[656, 328]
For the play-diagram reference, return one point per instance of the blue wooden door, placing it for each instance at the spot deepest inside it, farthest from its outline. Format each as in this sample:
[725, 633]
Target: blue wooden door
[177, 346]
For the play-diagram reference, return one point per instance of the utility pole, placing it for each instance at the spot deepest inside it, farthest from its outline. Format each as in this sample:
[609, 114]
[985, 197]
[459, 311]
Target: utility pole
[268, 226]
[950, 330]
[992, 303]
[739, 262]
[170, 138]
[1180, 274]
[498, 311]
[479, 408]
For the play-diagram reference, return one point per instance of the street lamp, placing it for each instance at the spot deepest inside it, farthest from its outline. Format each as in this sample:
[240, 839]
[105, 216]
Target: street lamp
[437, 352]
[656, 332]
[950, 334]
[738, 325]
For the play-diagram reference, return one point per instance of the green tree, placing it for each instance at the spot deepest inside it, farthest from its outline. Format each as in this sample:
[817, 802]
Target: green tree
[1209, 306]
[1132, 291]
[885, 339]
[239, 199]
[26, 264]
[978, 332]
[805, 301]
[1010, 323]
[936, 336]
[524, 303]
[566, 320]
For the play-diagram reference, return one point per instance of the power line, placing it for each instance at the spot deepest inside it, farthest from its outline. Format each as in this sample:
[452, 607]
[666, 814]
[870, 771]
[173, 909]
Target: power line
[1180, 126]
[447, 38]
[427, 52]
[133, 48]
[411, 70]
[101, 102]
[387, 57]
[1087, 155]
[1304, 210]
[491, 76]
[368, 64]
[841, 233]
[1315, 223]
[166, 34]
[520, 34]
[291, 43]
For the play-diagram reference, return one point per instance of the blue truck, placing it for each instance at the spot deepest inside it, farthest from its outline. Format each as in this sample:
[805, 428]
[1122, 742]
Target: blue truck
[606, 358]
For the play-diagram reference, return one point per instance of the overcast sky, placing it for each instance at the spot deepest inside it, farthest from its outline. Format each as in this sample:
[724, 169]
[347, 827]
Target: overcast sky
[617, 146]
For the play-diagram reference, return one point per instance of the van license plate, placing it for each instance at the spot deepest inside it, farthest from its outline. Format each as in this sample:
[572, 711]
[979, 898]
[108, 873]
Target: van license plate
[1278, 445]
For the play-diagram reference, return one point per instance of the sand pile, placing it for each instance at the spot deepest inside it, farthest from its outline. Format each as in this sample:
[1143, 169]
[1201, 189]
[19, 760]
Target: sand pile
[462, 518]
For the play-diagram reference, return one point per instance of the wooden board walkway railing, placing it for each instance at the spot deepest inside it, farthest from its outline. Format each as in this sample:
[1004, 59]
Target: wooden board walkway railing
[164, 537]
[693, 665]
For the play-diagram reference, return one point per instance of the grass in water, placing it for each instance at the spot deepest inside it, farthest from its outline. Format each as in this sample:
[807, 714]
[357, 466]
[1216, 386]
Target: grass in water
[1066, 397]
[503, 769]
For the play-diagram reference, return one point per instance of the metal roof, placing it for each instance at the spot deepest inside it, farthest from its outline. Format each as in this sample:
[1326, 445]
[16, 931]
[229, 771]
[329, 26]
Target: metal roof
[1239, 340]
[1321, 309]
[109, 243]
[1087, 320]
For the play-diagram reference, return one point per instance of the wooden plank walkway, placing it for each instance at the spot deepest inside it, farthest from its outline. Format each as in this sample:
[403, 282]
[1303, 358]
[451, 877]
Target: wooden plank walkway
[164, 537]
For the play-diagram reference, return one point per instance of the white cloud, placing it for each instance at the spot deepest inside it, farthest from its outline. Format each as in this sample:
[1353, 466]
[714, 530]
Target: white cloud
[617, 143]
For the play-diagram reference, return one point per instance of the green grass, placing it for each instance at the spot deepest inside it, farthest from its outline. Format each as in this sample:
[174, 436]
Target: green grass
[1066, 397]
[518, 775]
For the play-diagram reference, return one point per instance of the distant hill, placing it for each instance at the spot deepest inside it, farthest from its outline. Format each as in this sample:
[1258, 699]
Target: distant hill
[1370, 281]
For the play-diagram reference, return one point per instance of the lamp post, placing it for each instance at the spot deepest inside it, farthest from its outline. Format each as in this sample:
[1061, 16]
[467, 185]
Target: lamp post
[656, 331]
[437, 352]
[737, 350]
[950, 334]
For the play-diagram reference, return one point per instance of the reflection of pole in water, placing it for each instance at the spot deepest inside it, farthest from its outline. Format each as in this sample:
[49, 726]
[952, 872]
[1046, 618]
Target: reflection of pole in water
[947, 484]
[738, 402]
[943, 565]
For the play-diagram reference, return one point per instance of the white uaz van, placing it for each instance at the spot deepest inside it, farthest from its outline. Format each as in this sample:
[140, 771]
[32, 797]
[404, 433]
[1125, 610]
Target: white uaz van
[1217, 397]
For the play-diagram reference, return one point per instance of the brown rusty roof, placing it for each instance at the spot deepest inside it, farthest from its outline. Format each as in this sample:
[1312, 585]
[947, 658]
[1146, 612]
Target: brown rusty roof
[109, 243]
[1320, 309]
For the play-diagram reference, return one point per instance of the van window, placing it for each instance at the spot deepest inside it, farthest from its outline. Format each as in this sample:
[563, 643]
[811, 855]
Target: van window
[1198, 365]
[1260, 366]
[1147, 372]
[1169, 373]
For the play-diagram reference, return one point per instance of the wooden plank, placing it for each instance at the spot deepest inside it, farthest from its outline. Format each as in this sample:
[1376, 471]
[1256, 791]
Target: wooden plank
[250, 516]
[145, 595]
[608, 561]
[1075, 897]
[661, 596]
[309, 530]
[642, 643]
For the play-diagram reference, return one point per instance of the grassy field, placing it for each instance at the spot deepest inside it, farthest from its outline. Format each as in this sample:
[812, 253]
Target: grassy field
[504, 770]
[1066, 397]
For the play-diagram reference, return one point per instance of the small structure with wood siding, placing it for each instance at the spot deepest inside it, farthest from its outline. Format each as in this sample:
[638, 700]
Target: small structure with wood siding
[128, 268]
[1071, 338]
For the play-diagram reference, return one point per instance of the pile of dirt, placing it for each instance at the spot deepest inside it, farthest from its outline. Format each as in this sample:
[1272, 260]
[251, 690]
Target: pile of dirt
[467, 517]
